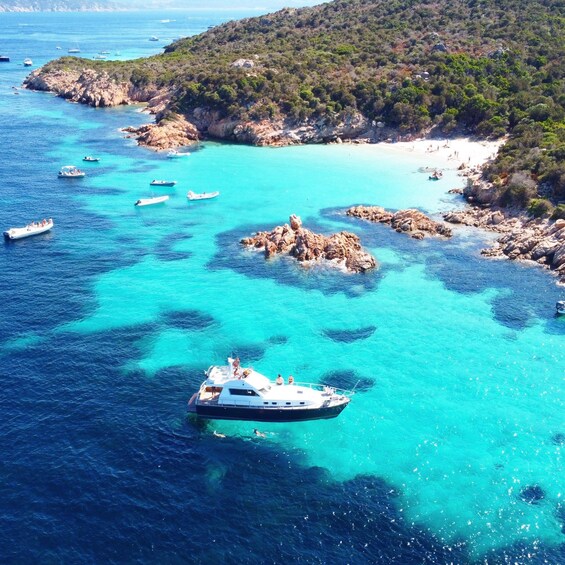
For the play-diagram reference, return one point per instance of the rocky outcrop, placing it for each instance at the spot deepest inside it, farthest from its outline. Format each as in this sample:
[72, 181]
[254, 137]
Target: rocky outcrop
[86, 87]
[412, 222]
[522, 238]
[175, 131]
[342, 249]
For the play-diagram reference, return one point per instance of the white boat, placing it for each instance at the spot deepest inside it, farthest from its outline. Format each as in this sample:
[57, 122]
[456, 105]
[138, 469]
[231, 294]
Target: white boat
[156, 182]
[233, 393]
[173, 154]
[34, 228]
[201, 195]
[28, 62]
[74, 50]
[560, 307]
[91, 159]
[100, 57]
[149, 201]
[70, 172]
[153, 38]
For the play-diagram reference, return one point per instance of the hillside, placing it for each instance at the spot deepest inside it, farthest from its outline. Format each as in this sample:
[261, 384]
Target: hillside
[372, 69]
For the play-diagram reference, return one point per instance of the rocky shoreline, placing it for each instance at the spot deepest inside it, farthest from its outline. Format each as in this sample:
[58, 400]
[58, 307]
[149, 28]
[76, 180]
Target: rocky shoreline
[170, 130]
[412, 222]
[340, 249]
[522, 238]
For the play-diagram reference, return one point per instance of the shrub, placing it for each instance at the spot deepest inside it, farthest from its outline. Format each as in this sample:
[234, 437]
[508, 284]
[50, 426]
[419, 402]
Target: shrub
[558, 212]
[540, 207]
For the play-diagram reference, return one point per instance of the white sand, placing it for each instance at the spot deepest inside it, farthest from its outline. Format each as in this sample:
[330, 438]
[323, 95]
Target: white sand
[450, 152]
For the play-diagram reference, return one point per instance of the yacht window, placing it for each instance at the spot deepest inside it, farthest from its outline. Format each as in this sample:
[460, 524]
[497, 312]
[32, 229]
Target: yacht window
[288, 403]
[302, 403]
[274, 403]
[242, 392]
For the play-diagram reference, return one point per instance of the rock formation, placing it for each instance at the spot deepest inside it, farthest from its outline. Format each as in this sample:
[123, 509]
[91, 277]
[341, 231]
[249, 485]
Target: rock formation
[522, 238]
[175, 131]
[412, 222]
[304, 245]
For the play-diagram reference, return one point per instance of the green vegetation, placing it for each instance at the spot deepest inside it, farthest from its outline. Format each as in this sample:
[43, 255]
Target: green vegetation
[482, 67]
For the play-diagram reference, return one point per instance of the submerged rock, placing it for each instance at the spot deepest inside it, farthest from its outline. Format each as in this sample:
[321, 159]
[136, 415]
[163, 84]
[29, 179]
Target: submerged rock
[532, 494]
[412, 222]
[341, 248]
[349, 336]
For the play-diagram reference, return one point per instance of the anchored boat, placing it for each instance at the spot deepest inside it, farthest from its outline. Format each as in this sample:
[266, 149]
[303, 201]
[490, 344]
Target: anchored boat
[34, 228]
[231, 392]
[156, 182]
[70, 172]
[202, 195]
[560, 307]
[149, 201]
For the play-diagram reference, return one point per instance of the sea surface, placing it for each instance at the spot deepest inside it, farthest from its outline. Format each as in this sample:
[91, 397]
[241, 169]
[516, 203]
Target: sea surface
[452, 448]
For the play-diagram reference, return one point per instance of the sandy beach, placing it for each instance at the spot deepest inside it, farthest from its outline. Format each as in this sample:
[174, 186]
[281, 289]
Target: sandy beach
[450, 152]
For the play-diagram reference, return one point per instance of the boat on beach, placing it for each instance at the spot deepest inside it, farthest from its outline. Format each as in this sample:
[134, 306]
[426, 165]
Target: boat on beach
[70, 172]
[34, 228]
[150, 201]
[201, 195]
[91, 159]
[560, 307]
[156, 182]
[231, 392]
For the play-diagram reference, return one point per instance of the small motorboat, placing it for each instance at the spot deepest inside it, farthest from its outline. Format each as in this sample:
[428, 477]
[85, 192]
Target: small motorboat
[153, 38]
[91, 159]
[560, 307]
[28, 62]
[149, 201]
[156, 182]
[231, 392]
[34, 228]
[70, 172]
[173, 154]
[74, 50]
[201, 195]
[4, 59]
[100, 57]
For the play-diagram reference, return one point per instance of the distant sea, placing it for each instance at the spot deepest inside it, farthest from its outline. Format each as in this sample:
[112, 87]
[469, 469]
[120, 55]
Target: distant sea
[452, 448]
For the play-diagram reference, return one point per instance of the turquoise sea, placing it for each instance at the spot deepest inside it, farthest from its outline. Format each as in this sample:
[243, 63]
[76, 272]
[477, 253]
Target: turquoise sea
[452, 448]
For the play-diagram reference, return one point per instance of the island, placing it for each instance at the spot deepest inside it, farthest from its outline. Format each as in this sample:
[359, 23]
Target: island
[360, 71]
[58, 6]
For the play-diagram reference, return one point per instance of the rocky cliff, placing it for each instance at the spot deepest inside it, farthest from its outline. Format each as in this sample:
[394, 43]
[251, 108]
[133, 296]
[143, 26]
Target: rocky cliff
[342, 249]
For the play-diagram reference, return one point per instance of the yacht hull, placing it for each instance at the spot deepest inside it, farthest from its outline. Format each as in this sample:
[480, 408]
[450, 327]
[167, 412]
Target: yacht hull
[266, 414]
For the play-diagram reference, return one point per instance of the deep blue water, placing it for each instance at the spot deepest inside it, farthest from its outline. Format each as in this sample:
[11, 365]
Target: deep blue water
[108, 322]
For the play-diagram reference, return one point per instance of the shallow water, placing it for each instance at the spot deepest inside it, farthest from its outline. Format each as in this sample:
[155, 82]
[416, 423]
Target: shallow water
[109, 321]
